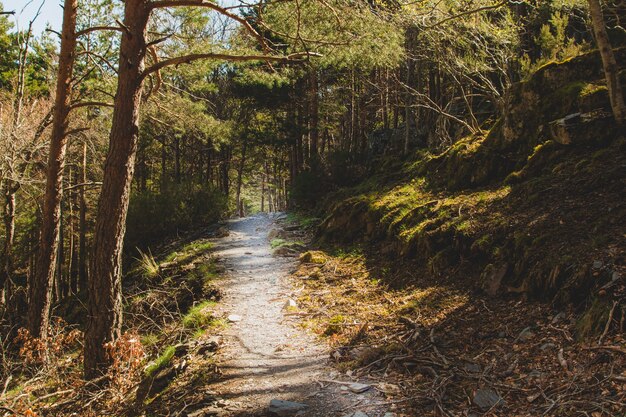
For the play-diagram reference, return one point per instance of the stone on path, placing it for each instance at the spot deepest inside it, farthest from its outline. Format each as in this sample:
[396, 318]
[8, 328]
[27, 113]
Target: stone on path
[234, 318]
[486, 399]
[358, 388]
[282, 408]
[359, 414]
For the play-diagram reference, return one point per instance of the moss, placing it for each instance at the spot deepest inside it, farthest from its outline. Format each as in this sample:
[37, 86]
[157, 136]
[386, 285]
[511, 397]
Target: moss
[278, 243]
[161, 362]
[335, 325]
[313, 257]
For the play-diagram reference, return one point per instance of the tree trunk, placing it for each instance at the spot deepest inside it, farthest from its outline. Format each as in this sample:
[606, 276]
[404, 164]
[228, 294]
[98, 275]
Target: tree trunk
[611, 70]
[313, 115]
[40, 288]
[242, 163]
[105, 284]
[6, 267]
[82, 258]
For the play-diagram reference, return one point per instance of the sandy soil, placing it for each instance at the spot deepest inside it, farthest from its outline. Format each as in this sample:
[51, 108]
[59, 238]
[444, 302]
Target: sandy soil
[265, 355]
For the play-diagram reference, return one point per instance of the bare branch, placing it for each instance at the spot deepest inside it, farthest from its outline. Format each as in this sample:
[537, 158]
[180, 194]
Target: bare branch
[98, 28]
[90, 103]
[186, 59]
[221, 10]
[468, 12]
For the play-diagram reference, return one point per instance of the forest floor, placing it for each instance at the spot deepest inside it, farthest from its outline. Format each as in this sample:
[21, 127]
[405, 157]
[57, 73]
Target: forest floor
[264, 355]
[436, 348]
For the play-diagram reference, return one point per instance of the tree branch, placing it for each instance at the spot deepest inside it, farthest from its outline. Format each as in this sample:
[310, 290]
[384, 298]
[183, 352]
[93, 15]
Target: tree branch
[98, 28]
[186, 59]
[221, 10]
[468, 12]
[90, 103]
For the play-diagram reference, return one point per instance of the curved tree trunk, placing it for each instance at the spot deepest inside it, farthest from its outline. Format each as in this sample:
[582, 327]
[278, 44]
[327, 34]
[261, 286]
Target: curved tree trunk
[105, 285]
[611, 70]
[40, 288]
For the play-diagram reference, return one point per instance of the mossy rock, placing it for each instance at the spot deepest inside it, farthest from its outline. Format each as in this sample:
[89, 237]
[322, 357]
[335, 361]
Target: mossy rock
[313, 257]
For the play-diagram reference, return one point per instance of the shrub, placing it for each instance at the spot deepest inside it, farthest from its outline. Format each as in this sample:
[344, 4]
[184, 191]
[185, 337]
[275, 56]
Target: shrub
[155, 215]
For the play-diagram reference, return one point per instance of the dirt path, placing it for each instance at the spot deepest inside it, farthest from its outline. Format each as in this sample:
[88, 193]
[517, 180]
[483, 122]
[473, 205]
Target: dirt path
[265, 356]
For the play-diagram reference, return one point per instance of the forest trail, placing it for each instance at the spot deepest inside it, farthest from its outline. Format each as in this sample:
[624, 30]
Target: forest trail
[265, 356]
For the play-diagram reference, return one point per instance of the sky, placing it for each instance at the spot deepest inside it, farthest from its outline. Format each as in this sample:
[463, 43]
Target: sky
[25, 10]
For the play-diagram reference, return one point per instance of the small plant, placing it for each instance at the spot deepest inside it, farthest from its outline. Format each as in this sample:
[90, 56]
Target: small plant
[127, 355]
[161, 362]
[199, 316]
[147, 265]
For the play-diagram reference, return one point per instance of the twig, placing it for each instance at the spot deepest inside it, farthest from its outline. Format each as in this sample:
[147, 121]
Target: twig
[607, 326]
[562, 360]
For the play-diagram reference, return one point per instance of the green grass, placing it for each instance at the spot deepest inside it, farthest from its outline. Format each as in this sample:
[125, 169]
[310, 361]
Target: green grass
[147, 266]
[303, 219]
[150, 339]
[161, 362]
[199, 316]
[188, 251]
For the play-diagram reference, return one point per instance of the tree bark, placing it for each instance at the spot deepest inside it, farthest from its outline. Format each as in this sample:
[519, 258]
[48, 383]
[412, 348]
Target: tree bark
[40, 288]
[105, 285]
[82, 258]
[313, 115]
[611, 70]
[242, 163]
[6, 267]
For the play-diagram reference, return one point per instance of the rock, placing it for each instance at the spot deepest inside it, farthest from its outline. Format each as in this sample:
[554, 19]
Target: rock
[358, 388]
[473, 367]
[222, 232]
[560, 129]
[208, 346]
[313, 257]
[359, 414]
[486, 399]
[597, 264]
[525, 335]
[290, 304]
[274, 233]
[491, 278]
[390, 415]
[283, 408]
[234, 318]
[284, 251]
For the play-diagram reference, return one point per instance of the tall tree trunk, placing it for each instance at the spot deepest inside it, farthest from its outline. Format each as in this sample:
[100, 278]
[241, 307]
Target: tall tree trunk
[224, 168]
[262, 192]
[6, 267]
[611, 70]
[242, 163]
[40, 288]
[72, 246]
[105, 284]
[176, 159]
[314, 133]
[82, 244]
[408, 106]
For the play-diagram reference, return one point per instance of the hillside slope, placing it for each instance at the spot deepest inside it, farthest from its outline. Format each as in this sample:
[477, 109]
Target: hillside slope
[535, 206]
